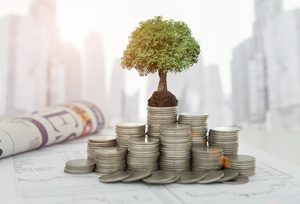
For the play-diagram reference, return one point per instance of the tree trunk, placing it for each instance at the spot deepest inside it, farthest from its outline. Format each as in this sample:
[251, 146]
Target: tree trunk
[162, 86]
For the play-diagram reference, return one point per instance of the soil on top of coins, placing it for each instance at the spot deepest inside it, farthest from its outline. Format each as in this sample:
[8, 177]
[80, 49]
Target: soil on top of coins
[162, 99]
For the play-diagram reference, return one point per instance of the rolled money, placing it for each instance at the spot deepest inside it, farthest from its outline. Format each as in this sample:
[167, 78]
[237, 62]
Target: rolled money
[51, 126]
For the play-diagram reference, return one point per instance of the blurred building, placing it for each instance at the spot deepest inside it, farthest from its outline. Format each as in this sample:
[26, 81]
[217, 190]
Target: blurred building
[282, 48]
[130, 108]
[28, 57]
[240, 88]
[265, 70]
[117, 93]
[94, 72]
[70, 59]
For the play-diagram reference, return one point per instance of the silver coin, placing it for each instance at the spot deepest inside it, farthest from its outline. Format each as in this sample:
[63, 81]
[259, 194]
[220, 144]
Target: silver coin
[211, 177]
[240, 179]
[229, 174]
[225, 129]
[175, 127]
[130, 125]
[191, 177]
[110, 151]
[114, 177]
[80, 164]
[138, 175]
[160, 177]
[78, 172]
[102, 138]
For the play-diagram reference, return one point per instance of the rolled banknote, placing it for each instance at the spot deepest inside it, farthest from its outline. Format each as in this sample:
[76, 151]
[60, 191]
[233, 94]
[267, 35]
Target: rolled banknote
[53, 125]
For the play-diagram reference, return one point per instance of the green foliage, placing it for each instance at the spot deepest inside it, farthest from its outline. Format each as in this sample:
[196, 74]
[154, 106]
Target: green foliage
[160, 45]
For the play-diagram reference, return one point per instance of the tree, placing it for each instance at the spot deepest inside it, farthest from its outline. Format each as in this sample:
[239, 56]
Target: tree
[162, 46]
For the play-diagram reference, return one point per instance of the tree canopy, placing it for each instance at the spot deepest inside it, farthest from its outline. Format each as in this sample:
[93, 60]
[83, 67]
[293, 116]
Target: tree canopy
[160, 45]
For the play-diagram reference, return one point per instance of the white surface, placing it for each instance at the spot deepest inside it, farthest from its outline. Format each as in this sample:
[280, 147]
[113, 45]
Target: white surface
[38, 177]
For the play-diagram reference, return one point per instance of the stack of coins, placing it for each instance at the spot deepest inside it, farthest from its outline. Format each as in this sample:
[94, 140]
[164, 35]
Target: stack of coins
[110, 159]
[199, 126]
[206, 158]
[158, 116]
[79, 166]
[143, 153]
[175, 147]
[97, 141]
[244, 164]
[225, 138]
[127, 130]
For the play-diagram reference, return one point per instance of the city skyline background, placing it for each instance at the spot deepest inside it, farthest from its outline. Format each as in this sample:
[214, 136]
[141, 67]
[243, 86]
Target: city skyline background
[72, 48]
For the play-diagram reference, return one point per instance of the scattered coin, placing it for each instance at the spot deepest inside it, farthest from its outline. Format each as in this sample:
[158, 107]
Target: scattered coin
[240, 179]
[211, 177]
[161, 177]
[138, 175]
[114, 177]
[229, 174]
[190, 177]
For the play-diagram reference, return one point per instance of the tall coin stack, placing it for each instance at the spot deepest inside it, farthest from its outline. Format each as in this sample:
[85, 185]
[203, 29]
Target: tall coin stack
[199, 126]
[143, 153]
[175, 147]
[158, 116]
[206, 158]
[96, 142]
[244, 164]
[225, 138]
[110, 159]
[127, 130]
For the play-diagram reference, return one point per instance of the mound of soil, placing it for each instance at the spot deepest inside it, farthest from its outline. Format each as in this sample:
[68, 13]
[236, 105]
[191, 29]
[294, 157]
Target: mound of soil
[162, 99]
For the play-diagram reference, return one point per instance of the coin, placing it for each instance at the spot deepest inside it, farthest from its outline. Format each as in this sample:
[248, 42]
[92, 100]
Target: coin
[143, 153]
[114, 177]
[229, 174]
[77, 172]
[160, 115]
[225, 138]
[190, 177]
[211, 177]
[97, 141]
[127, 130]
[240, 179]
[138, 175]
[161, 177]
[80, 164]
[206, 158]
[110, 159]
[244, 164]
[176, 149]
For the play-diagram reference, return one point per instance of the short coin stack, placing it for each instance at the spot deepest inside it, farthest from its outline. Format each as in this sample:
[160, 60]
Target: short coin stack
[143, 153]
[244, 164]
[158, 116]
[175, 147]
[127, 130]
[206, 158]
[110, 159]
[225, 138]
[96, 142]
[79, 166]
[199, 126]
